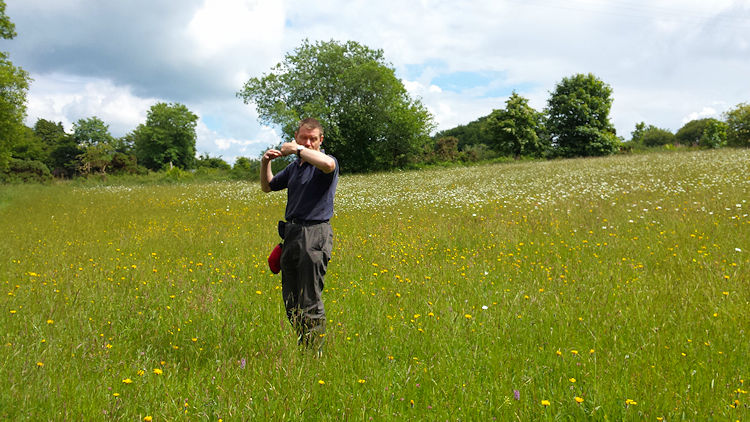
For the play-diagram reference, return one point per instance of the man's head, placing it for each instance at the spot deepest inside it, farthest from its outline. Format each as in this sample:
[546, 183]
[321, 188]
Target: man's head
[309, 134]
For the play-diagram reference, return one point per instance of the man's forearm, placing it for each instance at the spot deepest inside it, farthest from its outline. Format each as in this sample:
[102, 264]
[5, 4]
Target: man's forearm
[265, 175]
[318, 159]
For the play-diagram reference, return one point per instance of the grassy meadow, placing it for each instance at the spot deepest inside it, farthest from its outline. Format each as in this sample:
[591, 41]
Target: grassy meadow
[604, 289]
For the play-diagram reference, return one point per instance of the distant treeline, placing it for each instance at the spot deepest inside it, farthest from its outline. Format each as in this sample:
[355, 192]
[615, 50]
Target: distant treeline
[371, 124]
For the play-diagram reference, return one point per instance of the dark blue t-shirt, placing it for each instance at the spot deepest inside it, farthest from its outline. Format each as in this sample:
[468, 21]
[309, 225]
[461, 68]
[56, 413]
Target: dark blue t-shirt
[310, 191]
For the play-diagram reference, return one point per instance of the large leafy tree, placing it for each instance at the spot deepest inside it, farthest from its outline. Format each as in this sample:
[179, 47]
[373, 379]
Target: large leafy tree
[167, 138]
[692, 132]
[14, 83]
[518, 129]
[370, 121]
[738, 125]
[578, 117]
[92, 134]
[62, 150]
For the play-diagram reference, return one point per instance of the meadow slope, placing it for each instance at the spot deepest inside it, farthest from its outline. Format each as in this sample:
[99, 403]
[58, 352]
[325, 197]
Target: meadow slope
[610, 288]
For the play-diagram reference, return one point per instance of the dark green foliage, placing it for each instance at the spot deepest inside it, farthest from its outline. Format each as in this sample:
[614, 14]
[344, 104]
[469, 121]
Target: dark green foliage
[14, 83]
[125, 164]
[168, 137]
[714, 135]
[578, 117]
[469, 134]
[477, 152]
[246, 169]
[691, 133]
[370, 121]
[65, 158]
[517, 130]
[655, 137]
[205, 161]
[738, 125]
[446, 149]
[25, 171]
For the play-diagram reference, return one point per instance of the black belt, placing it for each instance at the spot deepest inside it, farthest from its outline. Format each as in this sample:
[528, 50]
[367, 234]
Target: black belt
[302, 222]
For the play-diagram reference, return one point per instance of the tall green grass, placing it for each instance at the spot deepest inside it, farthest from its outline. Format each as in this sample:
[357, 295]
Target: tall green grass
[614, 288]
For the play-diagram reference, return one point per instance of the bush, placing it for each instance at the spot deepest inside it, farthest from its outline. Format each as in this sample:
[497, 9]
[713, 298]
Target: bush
[478, 152]
[26, 171]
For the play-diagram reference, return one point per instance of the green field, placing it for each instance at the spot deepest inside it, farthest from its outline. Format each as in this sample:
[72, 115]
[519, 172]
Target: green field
[605, 289]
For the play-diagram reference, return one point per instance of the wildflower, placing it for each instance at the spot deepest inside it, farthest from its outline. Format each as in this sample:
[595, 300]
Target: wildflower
[630, 402]
[572, 380]
[575, 352]
[127, 381]
[545, 403]
[579, 399]
[40, 364]
[141, 372]
[361, 381]
[558, 352]
[467, 316]
[158, 371]
[258, 292]
[321, 382]
[116, 394]
[50, 321]
[516, 394]
[148, 419]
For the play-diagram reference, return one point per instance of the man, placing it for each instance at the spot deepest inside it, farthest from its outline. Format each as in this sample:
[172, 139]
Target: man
[308, 239]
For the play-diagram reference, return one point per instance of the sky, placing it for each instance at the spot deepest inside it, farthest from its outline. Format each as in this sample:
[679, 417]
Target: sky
[667, 61]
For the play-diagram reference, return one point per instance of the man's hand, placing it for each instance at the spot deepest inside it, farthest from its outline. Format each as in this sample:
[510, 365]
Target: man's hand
[289, 148]
[271, 154]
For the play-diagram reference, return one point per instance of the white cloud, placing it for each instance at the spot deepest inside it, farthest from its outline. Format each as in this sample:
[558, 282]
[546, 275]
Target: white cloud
[236, 27]
[66, 98]
[705, 112]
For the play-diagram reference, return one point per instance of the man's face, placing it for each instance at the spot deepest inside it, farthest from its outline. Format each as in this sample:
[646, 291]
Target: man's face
[309, 138]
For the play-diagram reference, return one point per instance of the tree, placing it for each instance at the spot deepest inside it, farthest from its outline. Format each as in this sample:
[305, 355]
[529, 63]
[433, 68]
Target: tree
[92, 131]
[655, 137]
[14, 83]
[167, 138]
[93, 136]
[636, 136]
[691, 133]
[516, 130]
[446, 149]
[469, 134]
[714, 135]
[738, 125]
[370, 121]
[62, 151]
[206, 161]
[578, 117]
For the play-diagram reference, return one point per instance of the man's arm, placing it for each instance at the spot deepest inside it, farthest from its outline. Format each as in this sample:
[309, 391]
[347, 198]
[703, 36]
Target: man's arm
[265, 169]
[318, 159]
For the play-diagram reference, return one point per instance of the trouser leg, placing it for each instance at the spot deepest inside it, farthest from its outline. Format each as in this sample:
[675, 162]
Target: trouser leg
[304, 261]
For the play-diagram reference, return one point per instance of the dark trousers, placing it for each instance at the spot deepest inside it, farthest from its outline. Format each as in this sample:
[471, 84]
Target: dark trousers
[304, 260]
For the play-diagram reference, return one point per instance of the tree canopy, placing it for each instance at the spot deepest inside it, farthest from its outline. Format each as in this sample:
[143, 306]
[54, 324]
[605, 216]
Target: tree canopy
[370, 121]
[692, 132]
[518, 129]
[578, 117]
[14, 84]
[738, 125]
[168, 136]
